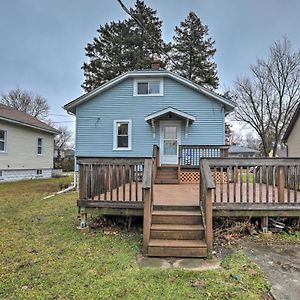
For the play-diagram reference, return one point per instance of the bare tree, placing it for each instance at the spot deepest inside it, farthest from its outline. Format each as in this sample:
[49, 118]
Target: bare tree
[28, 102]
[267, 99]
[64, 138]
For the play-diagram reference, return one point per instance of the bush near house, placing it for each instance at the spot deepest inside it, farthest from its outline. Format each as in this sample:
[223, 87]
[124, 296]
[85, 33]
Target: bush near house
[43, 256]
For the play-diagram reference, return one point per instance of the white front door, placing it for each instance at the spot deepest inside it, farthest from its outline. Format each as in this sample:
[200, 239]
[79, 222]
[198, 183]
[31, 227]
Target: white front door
[169, 141]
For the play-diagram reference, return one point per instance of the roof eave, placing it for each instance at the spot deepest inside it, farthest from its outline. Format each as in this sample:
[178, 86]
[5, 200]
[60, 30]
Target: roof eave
[54, 131]
[291, 125]
[71, 106]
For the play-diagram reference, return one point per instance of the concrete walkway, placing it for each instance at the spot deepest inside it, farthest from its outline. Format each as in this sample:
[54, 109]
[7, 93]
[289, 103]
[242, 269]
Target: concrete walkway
[194, 264]
[281, 264]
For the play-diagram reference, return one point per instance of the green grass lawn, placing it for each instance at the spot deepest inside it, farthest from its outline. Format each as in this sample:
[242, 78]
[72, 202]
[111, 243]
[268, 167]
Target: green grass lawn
[43, 256]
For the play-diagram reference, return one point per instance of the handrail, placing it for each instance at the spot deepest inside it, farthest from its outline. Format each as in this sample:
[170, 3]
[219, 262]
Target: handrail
[249, 162]
[148, 200]
[205, 201]
[206, 174]
[147, 177]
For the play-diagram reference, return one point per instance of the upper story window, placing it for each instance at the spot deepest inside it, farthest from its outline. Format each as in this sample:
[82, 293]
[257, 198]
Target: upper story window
[122, 135]
[153, 87]
[3, 140]
[40, 146]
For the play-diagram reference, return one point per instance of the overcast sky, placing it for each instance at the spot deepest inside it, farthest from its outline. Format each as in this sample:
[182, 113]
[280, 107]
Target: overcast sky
[42, 41]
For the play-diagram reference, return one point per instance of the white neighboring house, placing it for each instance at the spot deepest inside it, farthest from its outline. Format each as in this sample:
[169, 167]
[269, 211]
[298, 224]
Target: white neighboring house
[26, 146]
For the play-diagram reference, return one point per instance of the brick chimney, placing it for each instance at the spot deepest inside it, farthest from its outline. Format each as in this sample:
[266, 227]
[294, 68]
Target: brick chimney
[155, 63]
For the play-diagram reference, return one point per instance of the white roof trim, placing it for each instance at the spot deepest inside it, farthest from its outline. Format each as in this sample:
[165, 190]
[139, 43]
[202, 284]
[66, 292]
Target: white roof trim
[148, 74]
[170, 110]
[54, 131]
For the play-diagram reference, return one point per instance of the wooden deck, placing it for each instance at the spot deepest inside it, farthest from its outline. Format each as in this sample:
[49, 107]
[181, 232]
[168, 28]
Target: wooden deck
[188, 195]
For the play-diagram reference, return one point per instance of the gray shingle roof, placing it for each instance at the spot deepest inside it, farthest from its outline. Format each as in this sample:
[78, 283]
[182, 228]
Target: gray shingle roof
[15, 116]
[239, 149]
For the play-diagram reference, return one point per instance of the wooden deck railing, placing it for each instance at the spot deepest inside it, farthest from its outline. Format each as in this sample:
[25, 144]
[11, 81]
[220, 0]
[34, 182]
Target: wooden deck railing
[190, 155]
[257, 180]
[111, 179]
[236, 182]
[207, 186]
[148, 181]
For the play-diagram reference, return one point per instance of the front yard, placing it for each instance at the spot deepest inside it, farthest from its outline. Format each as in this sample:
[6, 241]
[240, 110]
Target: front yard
[43, 256]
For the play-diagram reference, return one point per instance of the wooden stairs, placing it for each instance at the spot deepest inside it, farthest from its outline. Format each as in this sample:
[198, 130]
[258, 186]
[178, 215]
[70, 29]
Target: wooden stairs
[167, 175]
[177, 231]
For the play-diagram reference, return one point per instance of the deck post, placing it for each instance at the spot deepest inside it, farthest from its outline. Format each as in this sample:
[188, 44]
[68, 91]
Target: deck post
[281, 184]
[83, 218]
[147, 219]
[264, 224]
[209, 222]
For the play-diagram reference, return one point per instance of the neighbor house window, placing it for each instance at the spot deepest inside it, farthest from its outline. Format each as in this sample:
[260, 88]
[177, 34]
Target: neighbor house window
[148, 87]
[1, 173]
[39, 172]
[122, 135]
[40, 146]
[3, 140]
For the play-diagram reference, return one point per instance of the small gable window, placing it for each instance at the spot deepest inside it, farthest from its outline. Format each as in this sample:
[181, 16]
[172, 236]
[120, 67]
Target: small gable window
[40, 146]
[148, 87]
[122, 135]
[3, 138]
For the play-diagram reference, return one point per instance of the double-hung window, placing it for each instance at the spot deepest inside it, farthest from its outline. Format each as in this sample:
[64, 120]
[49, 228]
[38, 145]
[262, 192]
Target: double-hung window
[153, 87]
[40, 146]
[122, 135]
[3, 140]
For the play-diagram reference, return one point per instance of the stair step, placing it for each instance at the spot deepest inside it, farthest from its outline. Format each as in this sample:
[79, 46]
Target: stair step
[166, 176]
[166, 181]
[175, 213]
[176, 217]
[168, 168]
[177, 248]
[177, 227]
[176, 207]
[177, 243]
[176, 232]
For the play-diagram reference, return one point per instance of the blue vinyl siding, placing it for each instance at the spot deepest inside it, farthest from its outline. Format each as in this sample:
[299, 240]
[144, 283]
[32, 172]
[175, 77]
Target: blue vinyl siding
[94, 119]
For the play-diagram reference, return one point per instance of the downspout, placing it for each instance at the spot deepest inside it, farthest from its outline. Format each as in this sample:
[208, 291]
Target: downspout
[75, 182]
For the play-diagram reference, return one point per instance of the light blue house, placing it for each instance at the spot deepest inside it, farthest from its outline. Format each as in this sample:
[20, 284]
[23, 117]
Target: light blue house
[128, 115]
[137, 132]
[140, 143]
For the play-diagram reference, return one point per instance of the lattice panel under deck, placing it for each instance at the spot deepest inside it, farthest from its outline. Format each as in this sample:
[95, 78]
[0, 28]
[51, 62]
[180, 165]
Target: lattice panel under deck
[194, 177]
[217, 177]
[189, 177]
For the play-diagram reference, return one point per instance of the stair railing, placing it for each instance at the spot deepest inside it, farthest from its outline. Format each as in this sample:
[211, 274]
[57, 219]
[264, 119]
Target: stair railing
[150, 168]
[205, 201]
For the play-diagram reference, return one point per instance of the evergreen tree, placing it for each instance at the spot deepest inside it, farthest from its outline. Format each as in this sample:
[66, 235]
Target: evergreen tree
[193, 51]
[123, 46]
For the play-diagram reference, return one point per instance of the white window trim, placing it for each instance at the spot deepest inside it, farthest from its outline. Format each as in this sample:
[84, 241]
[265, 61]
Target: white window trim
[161, 87]
[40, 154]
[5, 141]
[115, 135]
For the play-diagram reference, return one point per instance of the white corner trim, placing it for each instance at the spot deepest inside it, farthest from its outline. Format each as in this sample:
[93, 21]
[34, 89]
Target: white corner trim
[115, 135]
